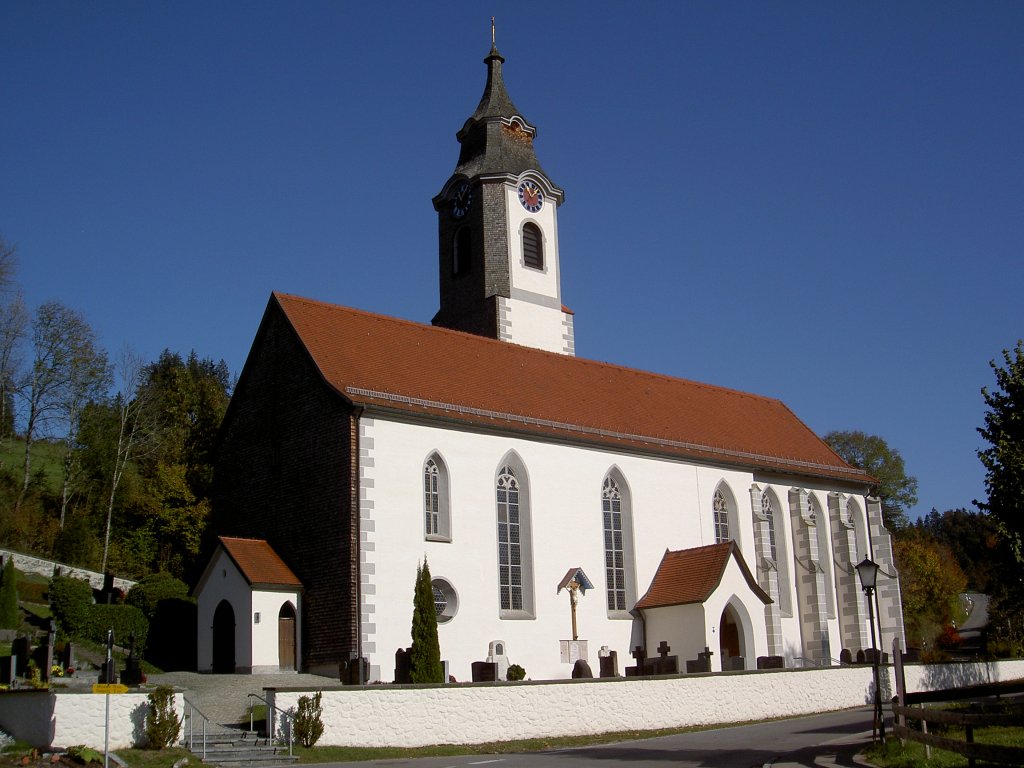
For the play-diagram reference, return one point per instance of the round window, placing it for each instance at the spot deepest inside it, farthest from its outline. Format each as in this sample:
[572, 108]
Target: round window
[446, 601]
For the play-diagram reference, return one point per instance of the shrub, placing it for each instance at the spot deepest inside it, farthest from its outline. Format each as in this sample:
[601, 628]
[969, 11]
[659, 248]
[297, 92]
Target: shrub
[70, 600]
[162, 726]
[151, 589]
[125, 620]
[9, 616]
[515, 672]
[84, 755]
[309, 726]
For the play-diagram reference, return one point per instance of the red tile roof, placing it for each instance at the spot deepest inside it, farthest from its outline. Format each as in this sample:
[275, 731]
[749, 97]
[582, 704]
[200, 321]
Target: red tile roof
[692, 575]
[378, 361]
[259, 563]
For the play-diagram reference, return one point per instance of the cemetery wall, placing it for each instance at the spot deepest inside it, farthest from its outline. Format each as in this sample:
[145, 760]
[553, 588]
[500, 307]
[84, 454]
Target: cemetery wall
[47, 568]
[412, 716]
[47, 719]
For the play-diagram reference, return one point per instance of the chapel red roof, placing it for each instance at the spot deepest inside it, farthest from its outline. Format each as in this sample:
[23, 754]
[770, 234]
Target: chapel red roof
[378, 361]
[692, 575]
[259, 563]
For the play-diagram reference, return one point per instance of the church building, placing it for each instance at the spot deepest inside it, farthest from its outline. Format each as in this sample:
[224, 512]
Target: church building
[567, 508]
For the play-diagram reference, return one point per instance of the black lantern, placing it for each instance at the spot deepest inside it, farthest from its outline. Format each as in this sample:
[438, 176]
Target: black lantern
[867, 570]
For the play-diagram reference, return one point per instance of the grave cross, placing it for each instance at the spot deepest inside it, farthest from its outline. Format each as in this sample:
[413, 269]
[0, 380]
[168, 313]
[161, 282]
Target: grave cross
[663, 649]
[639, 655]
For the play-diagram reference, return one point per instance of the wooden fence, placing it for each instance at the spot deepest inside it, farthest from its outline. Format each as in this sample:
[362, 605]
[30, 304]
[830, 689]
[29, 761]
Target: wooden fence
[994, 713]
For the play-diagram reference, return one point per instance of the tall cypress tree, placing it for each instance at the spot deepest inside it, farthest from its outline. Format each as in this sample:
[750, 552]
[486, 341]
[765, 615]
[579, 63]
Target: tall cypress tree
[425, 660]
[9, 618]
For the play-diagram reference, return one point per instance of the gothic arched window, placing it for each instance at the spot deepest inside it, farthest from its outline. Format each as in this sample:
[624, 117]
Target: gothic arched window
[437, 524]
[533, 246]
[514, 557]
[614, 548]
[721, 509]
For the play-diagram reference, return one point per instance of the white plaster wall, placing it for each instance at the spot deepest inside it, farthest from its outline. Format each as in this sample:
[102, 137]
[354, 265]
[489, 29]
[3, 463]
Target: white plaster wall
[671, 507]
[533, 325]
[682, 627]
[46, 719]
[412, 716]
[222, 581]
[753, 636]
[268, 604]
[543, 281]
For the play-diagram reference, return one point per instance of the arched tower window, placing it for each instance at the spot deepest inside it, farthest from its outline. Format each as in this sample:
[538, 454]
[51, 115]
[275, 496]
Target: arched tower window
[462, 251]
[533, 246]
[436, 514]
[514, 557]
[720, 507]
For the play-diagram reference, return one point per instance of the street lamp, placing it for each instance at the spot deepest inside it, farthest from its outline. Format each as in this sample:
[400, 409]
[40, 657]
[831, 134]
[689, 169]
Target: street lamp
[867, 570]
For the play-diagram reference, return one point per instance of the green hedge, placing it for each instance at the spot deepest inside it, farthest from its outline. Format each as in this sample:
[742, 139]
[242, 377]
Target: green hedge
[70, 600]
[125, 620]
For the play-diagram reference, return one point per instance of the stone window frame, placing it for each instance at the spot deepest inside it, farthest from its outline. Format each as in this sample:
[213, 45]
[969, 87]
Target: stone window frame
[783, 552]
[513, 539]
[818, 512]
[620, 580]
[535, 254]
[437, 519]
[721, 516]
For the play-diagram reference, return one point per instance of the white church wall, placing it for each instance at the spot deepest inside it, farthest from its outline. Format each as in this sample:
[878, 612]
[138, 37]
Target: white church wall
[682, 627]
[671, 505]
[733, 589]
[533, 325]
[546, 281]
[222, 581]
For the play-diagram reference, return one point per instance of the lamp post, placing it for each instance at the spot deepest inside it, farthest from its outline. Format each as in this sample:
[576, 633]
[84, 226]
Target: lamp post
[867, 570]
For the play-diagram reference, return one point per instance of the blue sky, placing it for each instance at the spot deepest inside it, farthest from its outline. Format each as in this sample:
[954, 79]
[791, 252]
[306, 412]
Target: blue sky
[820, 202]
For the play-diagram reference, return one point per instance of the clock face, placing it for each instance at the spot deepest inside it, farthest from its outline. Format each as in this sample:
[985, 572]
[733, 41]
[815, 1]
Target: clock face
[462, 198]
[531, 196]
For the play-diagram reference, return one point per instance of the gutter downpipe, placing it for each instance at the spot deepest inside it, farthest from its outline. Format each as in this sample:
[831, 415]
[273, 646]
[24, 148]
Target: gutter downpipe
[357, 513]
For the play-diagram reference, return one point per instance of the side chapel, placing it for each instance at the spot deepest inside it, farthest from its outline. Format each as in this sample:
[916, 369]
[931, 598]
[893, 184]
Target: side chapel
[698, 518]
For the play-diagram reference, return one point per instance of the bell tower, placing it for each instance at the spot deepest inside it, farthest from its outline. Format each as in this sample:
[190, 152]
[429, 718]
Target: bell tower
[498, 230]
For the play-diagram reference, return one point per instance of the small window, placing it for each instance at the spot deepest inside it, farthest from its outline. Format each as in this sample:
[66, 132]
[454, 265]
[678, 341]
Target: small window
[533, 246]
[462, 252]
[446, 601]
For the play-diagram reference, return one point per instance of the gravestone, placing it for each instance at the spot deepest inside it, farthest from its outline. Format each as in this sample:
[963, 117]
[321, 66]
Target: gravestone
[108, 672]
[860, 656]
[350, 671]
[609, 662]
[771, 662]
[845, 657]
[132, 672]
[67, 656]
[581, 669]
[639, 656]
[497, 652]
[8, 669]
[664, 664]
[403, 665]
[484, 671]
[702, 663]
[21, 650]
[733, 664]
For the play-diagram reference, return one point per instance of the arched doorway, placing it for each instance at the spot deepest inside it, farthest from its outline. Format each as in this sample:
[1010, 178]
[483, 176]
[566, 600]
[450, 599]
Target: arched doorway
[730, 639]
[224, 639]
[286, 637]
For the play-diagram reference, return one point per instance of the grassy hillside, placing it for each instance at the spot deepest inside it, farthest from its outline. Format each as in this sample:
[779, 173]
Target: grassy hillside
[46, 456]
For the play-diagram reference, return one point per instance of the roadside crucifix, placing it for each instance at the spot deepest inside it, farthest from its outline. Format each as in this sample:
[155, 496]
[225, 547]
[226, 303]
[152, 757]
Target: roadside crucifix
[576, 582]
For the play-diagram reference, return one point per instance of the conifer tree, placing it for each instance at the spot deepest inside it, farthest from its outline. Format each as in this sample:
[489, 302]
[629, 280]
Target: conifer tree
[9, 618]
[425, 660]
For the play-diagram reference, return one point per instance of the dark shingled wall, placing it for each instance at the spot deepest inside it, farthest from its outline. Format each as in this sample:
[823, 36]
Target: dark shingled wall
[283, 473]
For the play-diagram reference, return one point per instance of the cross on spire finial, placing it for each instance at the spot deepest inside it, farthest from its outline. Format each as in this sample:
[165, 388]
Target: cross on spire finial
[492, 30]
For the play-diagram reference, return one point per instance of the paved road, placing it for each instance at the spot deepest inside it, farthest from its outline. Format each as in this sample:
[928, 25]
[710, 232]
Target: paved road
[819, 740]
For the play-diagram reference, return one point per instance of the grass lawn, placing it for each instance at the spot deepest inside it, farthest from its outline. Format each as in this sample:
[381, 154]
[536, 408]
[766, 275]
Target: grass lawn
[46, 456]
[912, 755]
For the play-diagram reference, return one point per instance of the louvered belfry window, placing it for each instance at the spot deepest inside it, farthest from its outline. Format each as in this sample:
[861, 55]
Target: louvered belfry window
[533, 246]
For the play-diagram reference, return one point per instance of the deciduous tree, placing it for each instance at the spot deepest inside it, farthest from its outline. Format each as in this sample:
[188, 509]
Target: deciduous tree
[930, 585]
[1004, 457]
[896, 489]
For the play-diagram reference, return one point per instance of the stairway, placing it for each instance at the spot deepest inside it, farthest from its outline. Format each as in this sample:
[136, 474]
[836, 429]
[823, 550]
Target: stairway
[231, 746]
